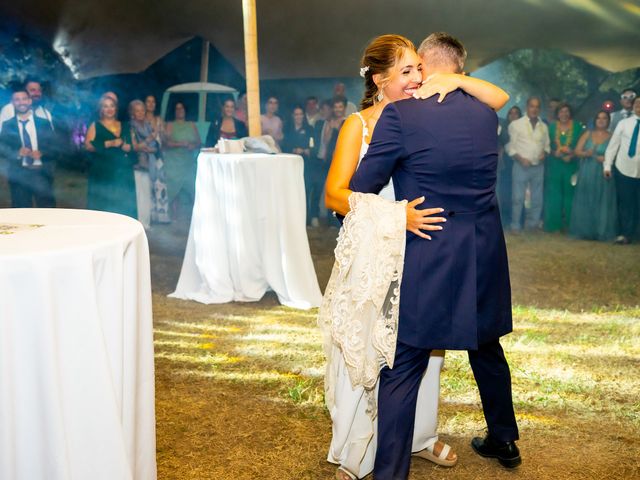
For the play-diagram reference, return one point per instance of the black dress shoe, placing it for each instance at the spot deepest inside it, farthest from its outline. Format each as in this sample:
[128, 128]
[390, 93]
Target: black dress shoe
[507, 453]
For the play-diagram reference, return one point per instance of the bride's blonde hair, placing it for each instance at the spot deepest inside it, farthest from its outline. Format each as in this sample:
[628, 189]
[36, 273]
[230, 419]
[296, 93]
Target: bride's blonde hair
[380, 56]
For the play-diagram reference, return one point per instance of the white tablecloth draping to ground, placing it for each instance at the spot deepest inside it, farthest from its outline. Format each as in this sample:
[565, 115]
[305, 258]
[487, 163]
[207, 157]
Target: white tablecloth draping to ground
[248, 232]
[76, 347]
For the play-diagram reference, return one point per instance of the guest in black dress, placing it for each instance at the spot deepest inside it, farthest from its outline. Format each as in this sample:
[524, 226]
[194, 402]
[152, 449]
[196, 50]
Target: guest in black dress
[226, 126]
[299, 139]
[111, 185]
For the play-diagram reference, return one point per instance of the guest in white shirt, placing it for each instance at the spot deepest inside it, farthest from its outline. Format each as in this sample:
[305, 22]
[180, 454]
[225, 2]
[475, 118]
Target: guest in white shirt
[34, 89]
[622, 161]
[528, 146]
[626, 101]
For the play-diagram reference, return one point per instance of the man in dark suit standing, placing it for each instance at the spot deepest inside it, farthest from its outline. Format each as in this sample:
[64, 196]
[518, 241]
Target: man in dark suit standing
[455, 292]
[26, 143]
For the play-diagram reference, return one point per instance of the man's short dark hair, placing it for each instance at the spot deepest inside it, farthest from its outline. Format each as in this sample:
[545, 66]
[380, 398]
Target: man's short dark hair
[311, 98]
[29, 80]
[632, 90]
[339, 99]
[18, 87]
[562, 105]
[443, 48]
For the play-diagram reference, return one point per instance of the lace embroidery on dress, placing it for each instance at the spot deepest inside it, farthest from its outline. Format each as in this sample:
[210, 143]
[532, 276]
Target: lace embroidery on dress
[360, 308]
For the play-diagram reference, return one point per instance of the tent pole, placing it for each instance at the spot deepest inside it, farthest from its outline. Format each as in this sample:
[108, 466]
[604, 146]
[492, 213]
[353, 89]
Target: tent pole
[204, 78]
[251, 66]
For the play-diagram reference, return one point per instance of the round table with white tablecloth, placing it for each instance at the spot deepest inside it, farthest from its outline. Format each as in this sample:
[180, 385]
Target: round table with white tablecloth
[248, 232]
[76, 347]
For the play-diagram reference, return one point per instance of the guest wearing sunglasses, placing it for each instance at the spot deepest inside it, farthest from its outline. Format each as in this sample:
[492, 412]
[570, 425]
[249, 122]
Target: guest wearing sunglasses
[626, 102]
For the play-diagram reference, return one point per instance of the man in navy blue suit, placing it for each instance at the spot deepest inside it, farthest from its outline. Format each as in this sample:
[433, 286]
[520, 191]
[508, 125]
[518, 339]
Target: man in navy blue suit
[456, 293]
[26, 144]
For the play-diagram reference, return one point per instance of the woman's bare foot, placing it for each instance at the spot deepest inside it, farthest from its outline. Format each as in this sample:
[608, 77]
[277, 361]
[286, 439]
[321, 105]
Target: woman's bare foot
[341, 474]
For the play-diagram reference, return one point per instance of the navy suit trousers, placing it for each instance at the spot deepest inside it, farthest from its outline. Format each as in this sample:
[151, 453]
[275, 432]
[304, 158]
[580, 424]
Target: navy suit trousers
[397, 403]
[29, 185]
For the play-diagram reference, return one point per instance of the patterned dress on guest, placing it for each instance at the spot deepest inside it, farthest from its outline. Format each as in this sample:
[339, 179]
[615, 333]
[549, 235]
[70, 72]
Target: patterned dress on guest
[144, 133]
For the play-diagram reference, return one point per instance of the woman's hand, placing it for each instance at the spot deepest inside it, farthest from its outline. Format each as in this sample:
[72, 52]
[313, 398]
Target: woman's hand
[418, 220]
[126, 147]
[440, 84]
[564, 149]
[113, 143]
[443, 83]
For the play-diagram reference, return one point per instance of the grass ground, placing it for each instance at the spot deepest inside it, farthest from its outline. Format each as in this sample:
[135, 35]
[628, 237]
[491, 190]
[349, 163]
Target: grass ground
[239, 386]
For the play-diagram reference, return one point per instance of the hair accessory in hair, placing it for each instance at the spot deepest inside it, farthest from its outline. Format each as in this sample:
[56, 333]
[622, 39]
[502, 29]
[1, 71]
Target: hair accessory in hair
[364, 70]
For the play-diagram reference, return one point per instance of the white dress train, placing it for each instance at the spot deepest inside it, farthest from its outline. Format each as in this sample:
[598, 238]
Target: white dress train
[354, 418]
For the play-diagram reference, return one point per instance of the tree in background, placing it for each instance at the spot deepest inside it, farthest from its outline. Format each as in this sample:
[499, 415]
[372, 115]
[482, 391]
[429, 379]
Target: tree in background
[556, 74]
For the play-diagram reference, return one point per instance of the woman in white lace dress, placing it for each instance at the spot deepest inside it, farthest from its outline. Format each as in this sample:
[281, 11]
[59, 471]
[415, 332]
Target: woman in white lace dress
[392, 71]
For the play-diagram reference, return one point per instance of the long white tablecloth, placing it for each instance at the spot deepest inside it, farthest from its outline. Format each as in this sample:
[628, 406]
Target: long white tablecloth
[248, 232]
[76, 347]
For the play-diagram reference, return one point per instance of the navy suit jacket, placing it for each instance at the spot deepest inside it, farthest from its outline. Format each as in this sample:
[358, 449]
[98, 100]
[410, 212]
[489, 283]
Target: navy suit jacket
[455, 290]
[10, 144]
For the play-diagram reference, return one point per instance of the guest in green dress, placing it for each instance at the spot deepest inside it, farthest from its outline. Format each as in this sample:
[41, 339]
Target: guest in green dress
[111, 185]
[560, 169]
[181, 146]
[594, 213]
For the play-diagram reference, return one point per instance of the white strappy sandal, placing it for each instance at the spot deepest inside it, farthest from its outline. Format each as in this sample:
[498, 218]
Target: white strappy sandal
[441, 459]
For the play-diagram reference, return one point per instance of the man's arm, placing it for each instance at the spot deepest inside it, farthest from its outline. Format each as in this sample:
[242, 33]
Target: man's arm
[513, 137]
[10, 143]
[50, 146]
[612, 150]
[385, 149]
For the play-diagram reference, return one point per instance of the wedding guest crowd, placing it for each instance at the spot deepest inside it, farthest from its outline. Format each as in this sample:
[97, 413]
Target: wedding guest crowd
[554, 174]
[567, 178]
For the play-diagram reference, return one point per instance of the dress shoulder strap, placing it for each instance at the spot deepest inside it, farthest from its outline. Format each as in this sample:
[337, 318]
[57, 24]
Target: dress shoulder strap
[365, 129]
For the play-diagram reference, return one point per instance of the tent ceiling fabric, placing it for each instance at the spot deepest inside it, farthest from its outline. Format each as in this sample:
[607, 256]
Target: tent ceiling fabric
[303, 39]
